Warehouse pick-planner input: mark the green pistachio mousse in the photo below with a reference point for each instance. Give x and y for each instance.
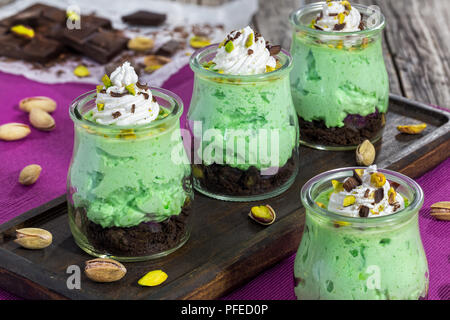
(340, 260)
(242, 100)
(339, 81)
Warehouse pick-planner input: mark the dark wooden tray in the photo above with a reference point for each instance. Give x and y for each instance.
(226, 248)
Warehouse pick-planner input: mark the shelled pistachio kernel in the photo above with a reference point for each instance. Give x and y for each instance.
(269, 69)
(99, 88)
(106, 81)
(208, 65)
(377, 179)
(229, 46)
(23, 31)
(348, 201)
(412, 128)
(250, 40)
(131, 89)
(33, 238)
(100, 106)
(359, 172)
(337, 185)
(140, 43)
(321, 205)
(347, 5)
(264, 214)
(81, 71)
(392, 194)
(198, 42)
(153, 278)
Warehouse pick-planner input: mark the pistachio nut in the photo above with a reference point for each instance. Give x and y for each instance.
(198, 42)
(41, 120)
(33, 238)
(104, 270)
(412, 128)
(441, 210)
(348, 201)
(81, 71)
(29, 174)
(140, 44)
(153, 278)
(154, 62)
(365, 153)
(14, 131)
(377, 179)
(44, 103)
(264, 214)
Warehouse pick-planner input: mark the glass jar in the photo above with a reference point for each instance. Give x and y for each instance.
(339, 81)
(129, 188)
(244, 131)
(355, 258)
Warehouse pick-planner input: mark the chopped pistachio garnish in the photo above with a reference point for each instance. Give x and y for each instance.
(99, 88)
(131, 89)
(229, 46)
(208, 65)
(100, 106)
(269, 69)
(249, 40)
(106, 81)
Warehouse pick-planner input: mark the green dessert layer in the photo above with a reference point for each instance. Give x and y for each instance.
(236, 112)
(123, 181)
(336, 261)
(329, 83)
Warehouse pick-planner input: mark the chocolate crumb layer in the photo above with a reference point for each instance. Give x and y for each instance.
(356, 130)
(226, 180)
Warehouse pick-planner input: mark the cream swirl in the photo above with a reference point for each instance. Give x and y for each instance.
(364, 195)
(244, 53)
(124, 101)
(338, 16)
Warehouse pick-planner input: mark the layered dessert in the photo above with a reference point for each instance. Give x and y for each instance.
(242, 118)
(376, 254)
(127, 196)
(339, 82)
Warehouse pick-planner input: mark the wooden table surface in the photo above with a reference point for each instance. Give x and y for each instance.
(416, 42)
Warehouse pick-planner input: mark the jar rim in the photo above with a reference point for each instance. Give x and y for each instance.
(308, 8)
(165, 94)
(310, 204)
(197, 67)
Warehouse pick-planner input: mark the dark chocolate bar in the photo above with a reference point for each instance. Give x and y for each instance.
(145, 18)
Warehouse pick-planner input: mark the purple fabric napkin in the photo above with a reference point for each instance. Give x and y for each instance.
(52, 150)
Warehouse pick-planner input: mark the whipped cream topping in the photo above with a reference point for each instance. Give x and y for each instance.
(338, 16)
(364, 195)
(244, 52)
(125, 102)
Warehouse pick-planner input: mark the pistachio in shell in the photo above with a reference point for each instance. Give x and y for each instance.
(441, 210)
(44, 103)
(104, 270)
(264, 214)
(41, 120)
(14, 131)
(365, 153)
(30, 174)
(33, 238)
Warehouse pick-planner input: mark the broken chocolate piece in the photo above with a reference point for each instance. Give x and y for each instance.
(133, 108)
(169, 48)
(338, 27)
(364, 212)
(250, 52)
(366, 193)
(145, 18)
(394, 185)
(379, 195)
(274, 50)
(350, 184)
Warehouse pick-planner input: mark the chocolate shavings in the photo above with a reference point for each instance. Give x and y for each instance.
(153, 99)
(116, 114)
(274, 50)
(117, 95)
(142, 86)
(250, 52)
(338, 27)
(379, 195)
(133, 108)
(145, 94)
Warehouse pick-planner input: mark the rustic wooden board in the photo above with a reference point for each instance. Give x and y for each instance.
(226, 248)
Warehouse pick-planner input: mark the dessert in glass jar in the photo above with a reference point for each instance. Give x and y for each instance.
(129, 192)
(242, 119)
(361, 239)
(339, 80)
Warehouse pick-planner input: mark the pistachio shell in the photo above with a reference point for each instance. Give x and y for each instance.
(140, 44)
(365, 153)
(44, 103)
(33, 238)
(264, 215)
(104, 270)
(30, 174)
(441, 210)
(41, 120)
(14, 131)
